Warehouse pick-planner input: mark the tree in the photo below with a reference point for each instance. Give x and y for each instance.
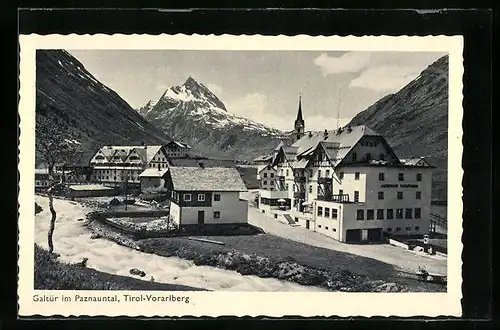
(55, 145)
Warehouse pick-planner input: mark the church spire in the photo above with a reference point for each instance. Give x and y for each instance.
(299, 122)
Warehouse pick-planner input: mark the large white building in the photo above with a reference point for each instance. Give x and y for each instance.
(117, 164)
(201, 196)
(350, 185)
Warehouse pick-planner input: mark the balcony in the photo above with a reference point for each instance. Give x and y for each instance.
(337, 198)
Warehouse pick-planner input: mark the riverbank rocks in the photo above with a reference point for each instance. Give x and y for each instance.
(135, 271)
(82, 263)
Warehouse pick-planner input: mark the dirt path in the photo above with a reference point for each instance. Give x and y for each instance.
(402, 259)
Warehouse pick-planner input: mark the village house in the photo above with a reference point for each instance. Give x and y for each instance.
(153, 180)
(114, 165)
(203, 196)
(177, 149)
(350, 185)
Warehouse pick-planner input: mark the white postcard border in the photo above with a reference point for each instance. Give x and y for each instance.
(243, 303)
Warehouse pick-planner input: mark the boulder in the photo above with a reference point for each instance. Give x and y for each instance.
(135, 271)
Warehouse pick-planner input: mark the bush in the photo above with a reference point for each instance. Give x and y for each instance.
(115, 202)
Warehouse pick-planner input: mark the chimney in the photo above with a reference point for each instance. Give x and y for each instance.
(339, 131)
(349, 129)
(201, 165)
(310, 134)
(325, 134)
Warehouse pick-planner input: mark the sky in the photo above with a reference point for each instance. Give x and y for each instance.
(263, 85)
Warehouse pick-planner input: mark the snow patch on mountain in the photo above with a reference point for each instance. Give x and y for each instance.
(195, 101)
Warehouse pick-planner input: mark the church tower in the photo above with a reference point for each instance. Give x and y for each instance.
(299, 122)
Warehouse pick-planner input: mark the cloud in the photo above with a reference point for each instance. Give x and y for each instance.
(348, 62)
(378, 71)
(386, 78)
(216, 89)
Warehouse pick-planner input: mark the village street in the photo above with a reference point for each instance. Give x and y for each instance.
(403, 259)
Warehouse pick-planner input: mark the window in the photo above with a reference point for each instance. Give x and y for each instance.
(286, 172)
(356, 176)
(417, 228)
(216, 214)
(354, 157)
(419, 176)
(326, 228)
(286, 186)
(380, 214)
(272, 175)
(389, 230)
(401, 176)
(399, 213)
(408, 228)
(334, 213)
(265, 175)
(418, 195)
(187, 197)
(327, 212)
(334, 229)
(265, 182)
(418, 213)
(381, 176)
(408, 213)
(272, 183)
(320, 211)
(360, 215)
(327, 173)
(398, 229)
(369, 214)
(382, 157)
(310, 189)
(341, 175)
(341, 192)
(400, 195)
(380, 195)
(319, 226)
(216, 197)
(319, 173)
(356, 196)
(368, 157)
(201, 197)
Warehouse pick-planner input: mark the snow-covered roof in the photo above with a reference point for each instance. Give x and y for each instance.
(206, 179)
(153, 173)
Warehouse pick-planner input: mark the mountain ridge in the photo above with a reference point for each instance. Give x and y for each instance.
(414, 121)
(92, 113)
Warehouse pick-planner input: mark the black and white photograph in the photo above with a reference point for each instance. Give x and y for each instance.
(161, 174)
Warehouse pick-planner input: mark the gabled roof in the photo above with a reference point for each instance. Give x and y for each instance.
(179, 144)
(415, 162)
(267, 167)
(146, 152)
(153, 173)
(335, 143)
(206, 179)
